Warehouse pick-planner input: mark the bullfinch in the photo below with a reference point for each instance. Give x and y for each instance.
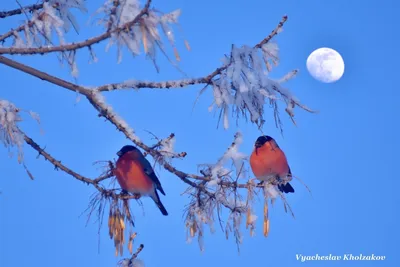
(268, 161)
(135, 175)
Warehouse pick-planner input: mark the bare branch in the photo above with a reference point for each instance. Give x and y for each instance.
(55, 162)
(44, 76)
(59, 166)
(18, 11)
(277, 29)
(135, 255)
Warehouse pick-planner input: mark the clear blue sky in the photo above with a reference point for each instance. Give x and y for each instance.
(346, 154)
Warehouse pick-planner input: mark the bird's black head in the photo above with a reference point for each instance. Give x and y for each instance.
(262, 140)
(126, 149)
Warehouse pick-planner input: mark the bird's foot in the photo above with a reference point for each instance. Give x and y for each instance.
(124, 192)
(136, 196)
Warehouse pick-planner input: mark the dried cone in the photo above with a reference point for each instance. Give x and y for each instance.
(116, 252)
(116, 229)
(130, 247)
(130, 243)
(178, 58)
(248, 215)
(266, 220)
(265, 209)
(193, 230)
(144, 37)
(111, 221)
(266, 227)
(187, 45)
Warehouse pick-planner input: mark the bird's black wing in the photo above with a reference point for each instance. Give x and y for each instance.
(154, 178)
(150, 172)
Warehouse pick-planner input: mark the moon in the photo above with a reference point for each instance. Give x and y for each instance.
(325, 65)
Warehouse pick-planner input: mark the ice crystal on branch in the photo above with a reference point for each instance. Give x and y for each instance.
(64, 7)
(217, 171)
(164, 149)
(55, 16)
(131, 30)
(219, 189)
(244, 84)
(10, 134)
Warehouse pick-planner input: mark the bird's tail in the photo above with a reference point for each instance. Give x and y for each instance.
(286, 188)
(157, 200)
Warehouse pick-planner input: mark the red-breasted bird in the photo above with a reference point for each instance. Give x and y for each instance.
(135, 175)
(268, 161)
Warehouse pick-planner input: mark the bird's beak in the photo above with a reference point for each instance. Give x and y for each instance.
(257, 145)
(119, 153)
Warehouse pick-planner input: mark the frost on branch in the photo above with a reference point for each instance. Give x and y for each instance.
(165, 149)
(216, 171)
(244, 84)
(47, 20)
(227, 188)
(218, 190)
(131, 31)
(98, 101)
(64, 7)
(10, 134)
(167, 146)
(54, 17)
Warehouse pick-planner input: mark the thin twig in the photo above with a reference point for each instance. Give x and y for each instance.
(18, 11)
(59, 166)
(135, 255)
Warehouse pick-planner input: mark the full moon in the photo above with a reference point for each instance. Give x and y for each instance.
(325, 65)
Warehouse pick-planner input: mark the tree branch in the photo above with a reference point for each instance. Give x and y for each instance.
(97, 101)
(75, 46)
(122, 126)
(44, 76)
(182, 83)
(11, 32)
(59, 166)
(136, 254)
(206, 197)
(18, 11)
(130, 261)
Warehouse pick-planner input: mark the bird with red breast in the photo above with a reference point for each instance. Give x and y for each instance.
(268, 163)
(135, 175)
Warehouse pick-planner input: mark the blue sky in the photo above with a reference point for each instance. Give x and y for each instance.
(346, 154)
